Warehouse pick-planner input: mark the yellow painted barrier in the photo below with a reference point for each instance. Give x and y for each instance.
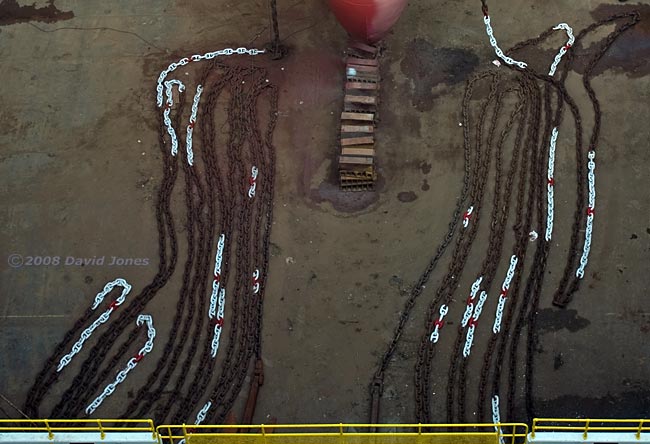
(503, 433)
(508, 433)
(587, 425)
(52, 426)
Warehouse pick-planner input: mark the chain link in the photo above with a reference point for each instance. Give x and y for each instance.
(133, 362)
(76, 348)
(190, 126)
(495, 45)
(550, 187)
(591, 177)
(196, 58)
(563, 50)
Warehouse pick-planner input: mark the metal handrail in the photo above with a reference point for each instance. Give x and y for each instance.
(77, 425)
(585, 426)
(170, 433)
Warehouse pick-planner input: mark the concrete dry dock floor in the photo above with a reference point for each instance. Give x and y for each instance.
(79, 167)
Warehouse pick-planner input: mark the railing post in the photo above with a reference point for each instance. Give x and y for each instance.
(101, 429)
(50, 435)
(638, 432)
(154, 435)
(419, 432)
(263, 433)
(184, 432)
(586, 433)
(532, 433)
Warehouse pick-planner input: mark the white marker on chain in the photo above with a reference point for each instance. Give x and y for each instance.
(133, 362)
(195, 58)
(467, 216)
(253, 182)
(217, 276)
(256, 281)
(550, 190)
(564, 49)
(496, 328)
(591, 176)
(218, 323)
(473, 322)
(495, 45)
(200, 417)
(438, 324)
(76, 348)
(167, 120)
(190, 126)
(496, 417)
(470, 301)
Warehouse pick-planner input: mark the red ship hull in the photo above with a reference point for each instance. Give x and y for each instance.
(367, 20)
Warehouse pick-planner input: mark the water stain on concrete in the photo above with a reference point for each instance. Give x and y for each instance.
(551, 319)
(11, 12)
(407, 196)
(428, 67)
(631, 51)
(343, 201)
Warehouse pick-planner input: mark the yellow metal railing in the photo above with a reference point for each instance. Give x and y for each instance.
(504, 433)
(637, 426)
(53, 426)
(508, 433)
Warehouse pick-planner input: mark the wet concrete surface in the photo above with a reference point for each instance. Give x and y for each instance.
(428, 66)
(80, 165)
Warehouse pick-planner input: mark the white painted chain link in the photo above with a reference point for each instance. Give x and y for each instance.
(196, 58)
(219, 301)
(496, 328)
(190, 127)
(435, 334)
(222, 303)
(217, 276)
(253, 182)
(475, 317)
(170, 102)
(479, 306)
(219, 323)
(550, 187)
(510, 273)
(591, 176)
(497, 50)
(467, 215)
(119, 282)
(200, 417)
(151, 333)
(498, 317)
(564, 49)
(76, 348)
(470, 301)
(468, 342)
(132, 363)
(256, 281)
(496, 417)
